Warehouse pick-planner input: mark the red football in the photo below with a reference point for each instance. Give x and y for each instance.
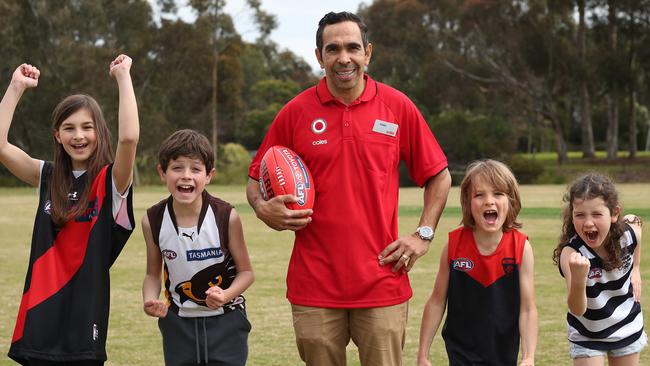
(282, 171)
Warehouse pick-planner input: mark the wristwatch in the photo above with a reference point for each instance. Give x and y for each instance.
(425, 232)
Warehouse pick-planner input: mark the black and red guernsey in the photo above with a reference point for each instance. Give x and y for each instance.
(63, 313)
(482, 324)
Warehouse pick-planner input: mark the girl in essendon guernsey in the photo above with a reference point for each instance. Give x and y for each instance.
(485, 279)
(598, 256)
(83, 220)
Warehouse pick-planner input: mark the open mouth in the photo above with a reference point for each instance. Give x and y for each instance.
(591, 235)
(185, 188)
(79, 146)
(490, 216)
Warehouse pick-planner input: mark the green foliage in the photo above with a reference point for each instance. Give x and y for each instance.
(526, 171)
(528, 61)
(269, 91)
(72, 43)
(256, 125)
(232, 167)
(266, 98)
(465, 137)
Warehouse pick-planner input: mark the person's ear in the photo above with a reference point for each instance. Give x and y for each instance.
(161, 172)
(57, 137)
(319, 57)
(368, 54)
(616, 212)
(210, 175)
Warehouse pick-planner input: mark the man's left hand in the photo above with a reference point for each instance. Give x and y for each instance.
(404, 251)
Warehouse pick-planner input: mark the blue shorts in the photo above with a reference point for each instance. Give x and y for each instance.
(576, 351)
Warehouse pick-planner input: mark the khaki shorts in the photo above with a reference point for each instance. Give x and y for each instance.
(322, 334)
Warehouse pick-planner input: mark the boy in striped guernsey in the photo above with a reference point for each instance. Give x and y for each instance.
(599, 256)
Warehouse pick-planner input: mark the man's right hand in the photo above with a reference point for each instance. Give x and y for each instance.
(277, 216)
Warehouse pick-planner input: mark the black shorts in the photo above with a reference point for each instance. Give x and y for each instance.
(33, 362)
(216, 340)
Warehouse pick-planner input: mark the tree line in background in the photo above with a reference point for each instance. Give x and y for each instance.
(520, 75)
(507, 76)
(176, 67)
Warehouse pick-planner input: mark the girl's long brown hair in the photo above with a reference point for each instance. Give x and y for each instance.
(60, 183)
(590, 186)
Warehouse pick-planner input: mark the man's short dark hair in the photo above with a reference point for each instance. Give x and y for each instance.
(188, 143)
(334, 18)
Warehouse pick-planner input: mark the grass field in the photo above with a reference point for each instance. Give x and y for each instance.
(134, 338)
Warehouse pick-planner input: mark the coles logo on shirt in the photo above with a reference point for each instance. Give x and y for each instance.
(318, 126)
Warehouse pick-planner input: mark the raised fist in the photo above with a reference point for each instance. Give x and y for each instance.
(579, 266)
(25, 76)
(121, 65)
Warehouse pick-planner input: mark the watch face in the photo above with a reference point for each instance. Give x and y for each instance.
(425, 232)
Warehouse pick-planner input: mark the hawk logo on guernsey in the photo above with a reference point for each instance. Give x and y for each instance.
(462, 264)
(47, 207)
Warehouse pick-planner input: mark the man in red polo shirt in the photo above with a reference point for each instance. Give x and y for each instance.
(347, 274)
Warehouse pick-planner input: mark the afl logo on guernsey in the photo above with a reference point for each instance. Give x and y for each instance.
(462, 264)
(318, 126)
(595, 273)
(47, 207)
(169, 254)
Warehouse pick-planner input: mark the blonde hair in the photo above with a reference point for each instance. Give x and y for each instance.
(500, 177)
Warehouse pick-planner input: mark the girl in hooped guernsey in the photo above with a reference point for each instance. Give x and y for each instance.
(598, 256)
(83, 220)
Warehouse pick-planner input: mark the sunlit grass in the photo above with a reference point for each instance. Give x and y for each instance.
(552, 156)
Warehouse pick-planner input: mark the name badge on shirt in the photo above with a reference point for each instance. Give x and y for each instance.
(385, 128)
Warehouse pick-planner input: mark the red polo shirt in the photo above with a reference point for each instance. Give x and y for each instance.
(353, 154)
